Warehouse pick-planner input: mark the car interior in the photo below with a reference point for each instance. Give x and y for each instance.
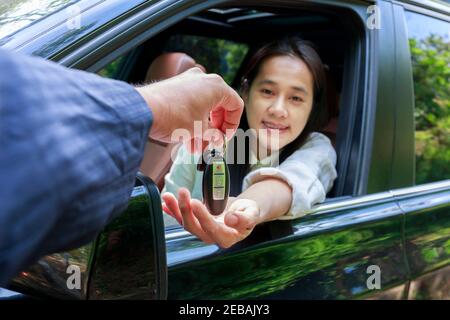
(220, 40)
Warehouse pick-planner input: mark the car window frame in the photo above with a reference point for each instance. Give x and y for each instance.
(356, 71)
(85, 57)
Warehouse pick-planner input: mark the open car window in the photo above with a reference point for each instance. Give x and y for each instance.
(227, 57)
(224, 50)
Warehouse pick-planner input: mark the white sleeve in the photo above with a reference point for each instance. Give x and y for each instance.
(182, 172)
(310, 172)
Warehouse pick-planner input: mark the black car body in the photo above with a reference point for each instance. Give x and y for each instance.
(379, 218)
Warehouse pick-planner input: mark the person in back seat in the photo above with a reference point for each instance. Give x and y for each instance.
(283, 88)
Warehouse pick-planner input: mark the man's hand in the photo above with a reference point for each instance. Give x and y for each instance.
(192, 96)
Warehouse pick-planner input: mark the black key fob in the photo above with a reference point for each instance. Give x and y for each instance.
(216, 182)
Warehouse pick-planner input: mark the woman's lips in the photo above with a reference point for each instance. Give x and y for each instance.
(271, 126)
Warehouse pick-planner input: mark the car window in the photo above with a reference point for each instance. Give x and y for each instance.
(442, 1)
(216, 55)
(18, 14)
(112, 68)
(429, 41)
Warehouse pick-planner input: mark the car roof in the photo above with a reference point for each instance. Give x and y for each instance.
(234, 16)
(441, 6)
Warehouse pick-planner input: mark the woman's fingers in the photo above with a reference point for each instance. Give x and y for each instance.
(206, 220)
(241, 220)
(196, 219)
(184, 198)
(243, 214)
(190, 221)
(167, 210)
(171, 206)
(170, 213)
(184, 202)
(218, 232)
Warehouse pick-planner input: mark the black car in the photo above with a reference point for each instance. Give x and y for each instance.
(388, 214)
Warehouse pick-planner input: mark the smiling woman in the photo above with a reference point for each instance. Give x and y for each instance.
(18, 14)
(283, 88)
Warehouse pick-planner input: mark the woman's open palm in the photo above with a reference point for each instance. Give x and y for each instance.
(233, 225)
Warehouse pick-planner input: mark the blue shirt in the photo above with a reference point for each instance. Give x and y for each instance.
(71, 144)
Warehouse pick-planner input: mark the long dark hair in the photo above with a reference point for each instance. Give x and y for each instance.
(295, 47)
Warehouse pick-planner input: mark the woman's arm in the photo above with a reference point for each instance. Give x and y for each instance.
(309, 172)
(252, 207)
(272, 196)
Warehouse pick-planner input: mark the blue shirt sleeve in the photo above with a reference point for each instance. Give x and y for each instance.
(71, 144)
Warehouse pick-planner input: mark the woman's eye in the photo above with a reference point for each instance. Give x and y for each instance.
(297, 99)
(267, 92)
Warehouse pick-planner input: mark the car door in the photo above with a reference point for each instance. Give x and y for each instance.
(427, 238)
(126, 261)
(346, 249)
(427, 204)
(349, 247)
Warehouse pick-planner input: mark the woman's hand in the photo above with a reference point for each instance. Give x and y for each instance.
(226, 229)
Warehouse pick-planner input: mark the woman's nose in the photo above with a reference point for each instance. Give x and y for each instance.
(277, 108)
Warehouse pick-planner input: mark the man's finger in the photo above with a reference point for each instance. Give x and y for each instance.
(227, 115)
(217, 116)
(195, 145)
(214, 137)
(233, 111)
(196, 69)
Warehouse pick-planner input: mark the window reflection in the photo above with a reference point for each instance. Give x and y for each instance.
(18, 14)
(429, 41)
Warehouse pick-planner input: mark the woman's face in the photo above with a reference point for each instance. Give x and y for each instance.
(279, 100)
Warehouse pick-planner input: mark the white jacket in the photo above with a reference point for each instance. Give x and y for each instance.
(309, 171)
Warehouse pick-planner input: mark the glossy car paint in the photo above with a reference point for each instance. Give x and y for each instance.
(324, 255)
(327, 256)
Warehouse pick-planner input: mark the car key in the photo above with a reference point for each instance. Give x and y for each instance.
(216, 180)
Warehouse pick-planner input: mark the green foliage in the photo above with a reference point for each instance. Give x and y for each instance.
(216, 55)
(431, 69)
(110, 71)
